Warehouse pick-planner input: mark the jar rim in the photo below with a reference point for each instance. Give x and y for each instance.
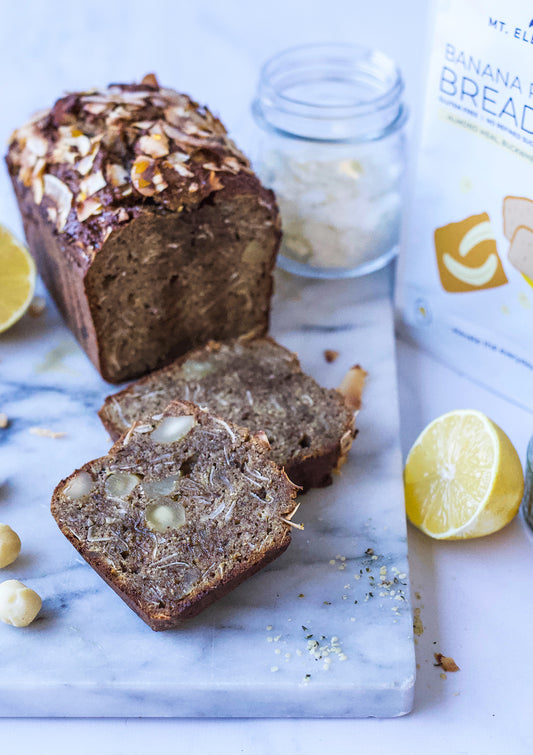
(349, 84)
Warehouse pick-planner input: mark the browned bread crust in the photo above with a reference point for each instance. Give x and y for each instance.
(255, 383)
(147, 224)
(227, 514)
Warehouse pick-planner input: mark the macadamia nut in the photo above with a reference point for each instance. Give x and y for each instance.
(18, 604)
(9, 545)
(172, 429)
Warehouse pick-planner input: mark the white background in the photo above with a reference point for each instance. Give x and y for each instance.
(476, 598)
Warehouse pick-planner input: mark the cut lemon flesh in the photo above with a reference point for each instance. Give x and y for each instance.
(17, 279)
(463, 477)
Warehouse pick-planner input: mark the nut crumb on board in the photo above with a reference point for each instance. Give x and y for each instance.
(330, 355)
(446, 662)
(37, 306)
(43, 432)
(4, 421)
(418, 627)
(352, 385)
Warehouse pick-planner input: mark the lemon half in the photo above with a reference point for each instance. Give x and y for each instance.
(17, 279)
(463, 477)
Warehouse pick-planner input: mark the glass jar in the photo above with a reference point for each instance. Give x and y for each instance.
(527, 501)
(332, 148)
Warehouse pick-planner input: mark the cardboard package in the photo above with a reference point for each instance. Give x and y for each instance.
(465, 277)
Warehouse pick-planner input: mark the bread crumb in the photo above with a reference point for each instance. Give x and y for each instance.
(43, 432)
(352, 385)
(330, 355)
(446, 662)
(4, 422)
(37, 306)
(418, 627)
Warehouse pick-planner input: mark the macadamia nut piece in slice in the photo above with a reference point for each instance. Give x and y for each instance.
(172, 429)
(120, 484)
(9, 545)
(166, 515)
(18, 604)
(155, 488)
(79, 486)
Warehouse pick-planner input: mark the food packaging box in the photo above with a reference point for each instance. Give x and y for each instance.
(465, 278)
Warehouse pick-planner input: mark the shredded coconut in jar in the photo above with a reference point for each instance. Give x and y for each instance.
(332, 147)
(337, 210)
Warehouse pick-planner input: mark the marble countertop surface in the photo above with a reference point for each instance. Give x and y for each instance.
(325, 630)
(474, 600)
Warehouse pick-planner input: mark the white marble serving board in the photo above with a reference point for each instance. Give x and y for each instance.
(253, 653)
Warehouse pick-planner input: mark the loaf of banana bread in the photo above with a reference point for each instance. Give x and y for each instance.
(148, 225)
(181, 511)
(255, 383)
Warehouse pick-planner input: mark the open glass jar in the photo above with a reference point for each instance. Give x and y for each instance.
(332, 147)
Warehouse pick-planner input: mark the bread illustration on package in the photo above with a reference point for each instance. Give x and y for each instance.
(518, 228)
(467, 255)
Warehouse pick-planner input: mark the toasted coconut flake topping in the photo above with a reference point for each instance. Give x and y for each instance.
(88, 140)
(37, 144)
(146, 177)
(116, 175)
(84, 166)
(61, 195)
(150, 80)
(352, 386)
(155, 145)
(92, 184)
(91, 206)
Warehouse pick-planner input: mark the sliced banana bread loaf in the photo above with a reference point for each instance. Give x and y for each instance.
(148, 225)
(181, 511)
(255, 383)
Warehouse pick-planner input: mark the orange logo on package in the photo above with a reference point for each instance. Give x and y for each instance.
(467, 255)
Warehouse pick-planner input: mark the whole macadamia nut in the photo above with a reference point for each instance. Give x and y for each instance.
(9, 545)
(18, 604)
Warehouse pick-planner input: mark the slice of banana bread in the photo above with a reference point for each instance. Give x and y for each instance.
(255, 383)
(182, 510)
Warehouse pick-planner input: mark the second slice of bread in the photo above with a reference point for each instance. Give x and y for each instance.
(257, 384)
